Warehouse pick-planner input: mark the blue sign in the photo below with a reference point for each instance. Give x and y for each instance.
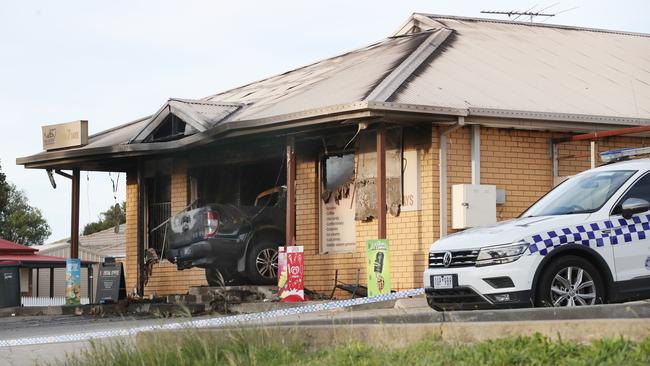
(72, 281)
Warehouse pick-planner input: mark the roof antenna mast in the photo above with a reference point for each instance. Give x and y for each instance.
(517, 14)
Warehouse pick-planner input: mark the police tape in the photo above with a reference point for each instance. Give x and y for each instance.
(215, 322)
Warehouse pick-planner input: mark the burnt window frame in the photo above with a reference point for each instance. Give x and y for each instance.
(321, 176)
(156, 240)
(178, 128)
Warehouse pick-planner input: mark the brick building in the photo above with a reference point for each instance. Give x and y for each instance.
(458, 101)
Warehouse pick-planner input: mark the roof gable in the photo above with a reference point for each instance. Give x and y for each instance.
(199, 115)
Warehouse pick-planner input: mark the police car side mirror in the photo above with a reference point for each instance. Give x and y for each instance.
(633, 206)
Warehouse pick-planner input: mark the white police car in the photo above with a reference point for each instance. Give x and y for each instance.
(585, 242)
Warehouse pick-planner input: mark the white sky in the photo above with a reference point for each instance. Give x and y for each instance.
(113, 62)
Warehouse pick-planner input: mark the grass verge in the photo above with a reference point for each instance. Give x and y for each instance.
(203, 349)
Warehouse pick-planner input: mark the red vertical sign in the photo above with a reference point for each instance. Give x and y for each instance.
(292, 274)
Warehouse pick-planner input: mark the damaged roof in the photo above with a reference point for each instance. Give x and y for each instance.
(433, 64)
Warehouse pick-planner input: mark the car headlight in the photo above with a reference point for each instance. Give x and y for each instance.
(501, 254)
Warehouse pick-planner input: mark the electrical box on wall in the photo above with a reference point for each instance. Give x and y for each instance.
(473, 205)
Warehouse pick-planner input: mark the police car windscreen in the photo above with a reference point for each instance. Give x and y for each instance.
(584, 193)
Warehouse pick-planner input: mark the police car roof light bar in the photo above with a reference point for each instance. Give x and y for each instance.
(613, 156)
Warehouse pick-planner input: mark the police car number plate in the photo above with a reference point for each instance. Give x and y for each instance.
(443, 282)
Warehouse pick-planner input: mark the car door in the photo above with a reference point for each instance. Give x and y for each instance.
(631, 247)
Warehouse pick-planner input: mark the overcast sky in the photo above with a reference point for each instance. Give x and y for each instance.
(115, 61)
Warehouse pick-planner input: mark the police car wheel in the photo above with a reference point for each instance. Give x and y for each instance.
(570, 281)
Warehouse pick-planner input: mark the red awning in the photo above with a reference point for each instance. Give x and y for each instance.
(22, 255)
(35, 260)
(8, 247)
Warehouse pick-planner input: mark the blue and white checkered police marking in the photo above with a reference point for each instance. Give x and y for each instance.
(209, 323)
(594, 235)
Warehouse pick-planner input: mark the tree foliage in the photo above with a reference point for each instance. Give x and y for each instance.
(20, 222)
(107, 219)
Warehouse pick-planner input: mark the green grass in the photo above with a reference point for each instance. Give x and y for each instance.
(203, 349)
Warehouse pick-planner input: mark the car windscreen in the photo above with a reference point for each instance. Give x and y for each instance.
(584, 193)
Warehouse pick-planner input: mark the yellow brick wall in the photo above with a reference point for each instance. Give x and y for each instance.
(165, 279)
(410, 234)
(131, 274)
(575, 156)
(518, 161)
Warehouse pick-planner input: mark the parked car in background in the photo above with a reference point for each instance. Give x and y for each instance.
(235, 244)
(585, 242)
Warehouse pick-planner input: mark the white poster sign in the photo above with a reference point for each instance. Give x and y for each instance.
(411, 194)
(337, 225)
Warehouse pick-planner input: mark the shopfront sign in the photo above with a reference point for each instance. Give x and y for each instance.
(110, 282)
(378, 267)
(72, 281)
(64, 135)
(411, 193)
(291, 273)
(338, 233)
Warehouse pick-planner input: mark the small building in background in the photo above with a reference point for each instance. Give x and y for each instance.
(24, 262)
(94, 247)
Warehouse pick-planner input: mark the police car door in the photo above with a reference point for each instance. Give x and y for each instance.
(632, 247)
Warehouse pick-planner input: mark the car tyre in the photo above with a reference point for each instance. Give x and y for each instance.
(262, 263)
(570, 281)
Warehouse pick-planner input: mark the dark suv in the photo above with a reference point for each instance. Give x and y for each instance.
(240, 243)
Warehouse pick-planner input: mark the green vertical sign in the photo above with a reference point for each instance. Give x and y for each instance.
(378, 266)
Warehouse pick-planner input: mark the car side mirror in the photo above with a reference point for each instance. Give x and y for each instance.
(633, 206)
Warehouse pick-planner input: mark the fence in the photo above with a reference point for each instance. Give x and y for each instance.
(48, 301)
(158, 214)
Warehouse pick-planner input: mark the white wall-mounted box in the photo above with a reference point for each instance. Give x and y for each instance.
(473, 205)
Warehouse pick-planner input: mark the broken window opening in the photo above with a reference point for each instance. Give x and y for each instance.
(337, 226)
(159, 206)
(172, 128)
(234, 184)
(337, 176)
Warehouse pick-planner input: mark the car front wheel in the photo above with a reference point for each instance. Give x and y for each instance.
(570, 281)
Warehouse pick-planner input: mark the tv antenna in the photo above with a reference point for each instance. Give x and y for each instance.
(531, 14)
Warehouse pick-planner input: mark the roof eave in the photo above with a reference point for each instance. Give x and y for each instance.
(311, 118)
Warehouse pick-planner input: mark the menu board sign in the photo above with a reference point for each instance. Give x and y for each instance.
(337, 225)
(110, 283)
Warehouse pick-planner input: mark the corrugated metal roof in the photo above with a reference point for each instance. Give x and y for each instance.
(485, 67)
(105, 243)
(519, 66)
(339, 80)
(7, 247)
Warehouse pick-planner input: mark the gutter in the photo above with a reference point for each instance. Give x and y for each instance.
(313, 117)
